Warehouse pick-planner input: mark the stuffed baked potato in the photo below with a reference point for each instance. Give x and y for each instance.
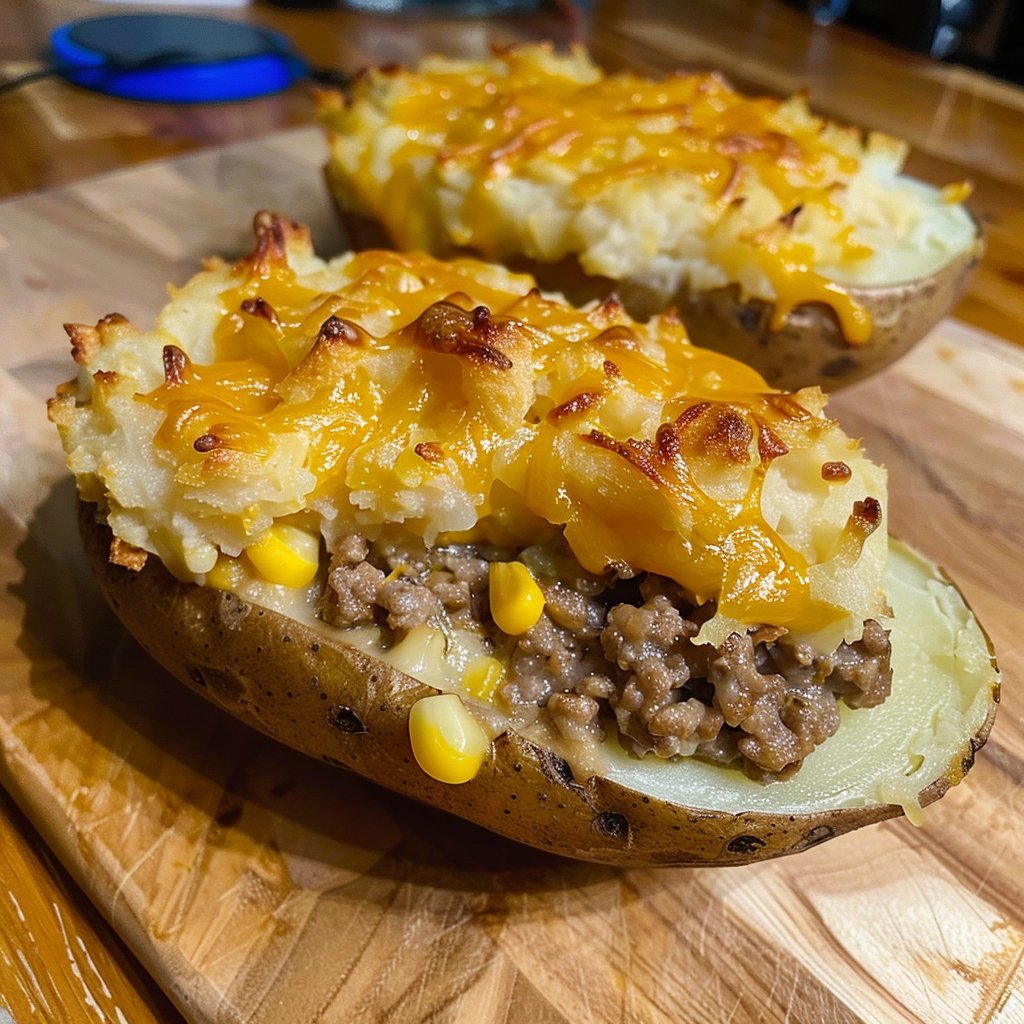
(782, 239)
(565, 575)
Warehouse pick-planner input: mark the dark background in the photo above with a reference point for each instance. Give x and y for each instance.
(986, 34)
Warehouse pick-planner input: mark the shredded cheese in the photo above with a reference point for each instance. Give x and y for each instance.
(455, 402)
(661, 183)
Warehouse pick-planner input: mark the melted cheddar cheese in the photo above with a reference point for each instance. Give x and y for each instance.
(387, 392)
(664, 183)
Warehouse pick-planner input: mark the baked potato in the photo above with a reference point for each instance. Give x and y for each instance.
(781, 239)
(560, 573)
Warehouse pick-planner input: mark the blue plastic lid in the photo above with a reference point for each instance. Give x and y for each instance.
(172, 58)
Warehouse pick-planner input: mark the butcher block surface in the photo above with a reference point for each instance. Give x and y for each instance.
(258, 885)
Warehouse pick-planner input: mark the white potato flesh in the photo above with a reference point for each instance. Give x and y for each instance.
(943, 677)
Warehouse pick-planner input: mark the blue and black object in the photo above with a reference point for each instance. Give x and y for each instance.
(172, 58)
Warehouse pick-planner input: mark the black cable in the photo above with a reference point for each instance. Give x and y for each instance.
(109, 65)
(332, 77)
(31, 76)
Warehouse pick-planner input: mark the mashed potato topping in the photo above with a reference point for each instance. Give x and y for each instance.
(452, 401)
(665, 183)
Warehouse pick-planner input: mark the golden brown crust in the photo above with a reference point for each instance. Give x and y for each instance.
(126, 555)
(274, 233)
(336, 703)
(380, 352)
(85, 340)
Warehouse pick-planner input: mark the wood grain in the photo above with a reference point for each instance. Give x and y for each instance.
(97, 978)
(258, 885)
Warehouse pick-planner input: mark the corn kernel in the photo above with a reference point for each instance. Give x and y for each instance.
(287, 555)
(420, 653)
(516, 600)
(227, 574)
(447, 741)
(481, 677)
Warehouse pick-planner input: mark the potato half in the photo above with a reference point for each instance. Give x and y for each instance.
(783, 239)
(308, 689)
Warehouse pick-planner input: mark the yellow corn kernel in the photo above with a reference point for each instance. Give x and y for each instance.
(200, 556)
(516, 600)
(447, 741)
(287, 555)
(481, 677)
(227, 574)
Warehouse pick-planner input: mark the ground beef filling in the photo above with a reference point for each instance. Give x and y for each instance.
(613, 650)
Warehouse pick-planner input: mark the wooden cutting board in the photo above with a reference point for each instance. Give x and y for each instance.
(258, 885)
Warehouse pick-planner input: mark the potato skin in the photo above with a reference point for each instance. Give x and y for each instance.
(809, 349)
(324, 698)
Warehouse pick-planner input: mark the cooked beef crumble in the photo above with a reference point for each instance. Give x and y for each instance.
(607, 648)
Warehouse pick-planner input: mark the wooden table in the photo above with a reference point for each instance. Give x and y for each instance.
(60, 959)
